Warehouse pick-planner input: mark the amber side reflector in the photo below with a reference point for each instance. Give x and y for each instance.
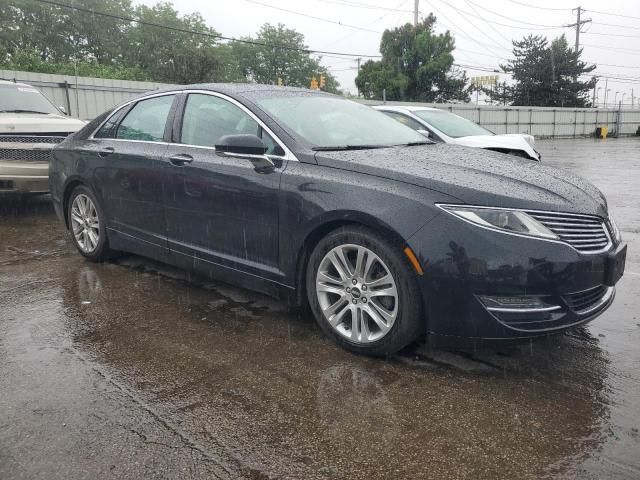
(414, 261)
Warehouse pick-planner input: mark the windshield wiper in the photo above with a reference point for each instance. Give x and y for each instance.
(413, 144)
(19, 110)
(347, 147)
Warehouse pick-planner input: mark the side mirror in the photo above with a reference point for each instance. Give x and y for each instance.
(63, 110)
(425, 133)
(243, 144)
(246, 146)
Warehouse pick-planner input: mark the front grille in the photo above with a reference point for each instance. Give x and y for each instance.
(28, 148)
(24, 155)
(34, 138)
(582, 301)
(585, 233)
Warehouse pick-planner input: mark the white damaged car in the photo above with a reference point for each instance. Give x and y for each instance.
(30, 126)
(442, 126)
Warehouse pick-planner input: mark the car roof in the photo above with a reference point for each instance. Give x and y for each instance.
(249, 90)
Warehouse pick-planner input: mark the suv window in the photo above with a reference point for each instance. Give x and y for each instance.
(146, 120)
(207, 118)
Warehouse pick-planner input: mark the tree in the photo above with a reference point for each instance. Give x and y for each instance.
(416, 64)
(170, 55)
(548, 75)
(59, 34)
(278, 53)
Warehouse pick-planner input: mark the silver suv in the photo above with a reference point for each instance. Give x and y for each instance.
(30, 126)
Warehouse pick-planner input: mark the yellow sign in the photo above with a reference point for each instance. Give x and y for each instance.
(484, 81)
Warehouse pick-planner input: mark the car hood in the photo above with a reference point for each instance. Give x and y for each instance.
(17, 123)
(476, 177)
(509, 141)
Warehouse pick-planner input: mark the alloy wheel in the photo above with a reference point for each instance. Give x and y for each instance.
(357, 293)
(85, 223)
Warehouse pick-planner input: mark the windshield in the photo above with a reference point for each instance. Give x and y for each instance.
(450, 124)
(328, 122)
(18, 98)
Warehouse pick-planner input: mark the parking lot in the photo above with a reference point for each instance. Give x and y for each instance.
(129, 369)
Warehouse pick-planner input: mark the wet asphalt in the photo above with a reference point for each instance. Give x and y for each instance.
(130, 369)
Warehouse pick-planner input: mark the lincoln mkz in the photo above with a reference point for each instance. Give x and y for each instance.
(325, 202)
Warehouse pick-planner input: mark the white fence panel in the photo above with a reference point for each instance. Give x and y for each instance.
(86, 98)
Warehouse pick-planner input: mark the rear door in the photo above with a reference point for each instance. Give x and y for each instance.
(221, 212)
(132, 180)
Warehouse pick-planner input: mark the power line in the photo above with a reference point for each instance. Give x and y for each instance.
(341, 39)
(346, 3)
(538, 7)
(515, 20)
(476, 27)
(613, 14)
(320, 19)
(618, 49)
(611, 34)
(202, 34)
(461, 31)
(488, 23)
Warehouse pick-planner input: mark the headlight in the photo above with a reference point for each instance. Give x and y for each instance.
(513, 221)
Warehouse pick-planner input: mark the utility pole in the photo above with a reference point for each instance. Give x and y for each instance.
(606, 91)
(632, 98)
(358, 60)
(594, 92)
(416, 4)
(578, 26)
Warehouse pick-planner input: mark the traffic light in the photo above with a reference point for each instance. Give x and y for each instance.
(314, 84)
(323, 82)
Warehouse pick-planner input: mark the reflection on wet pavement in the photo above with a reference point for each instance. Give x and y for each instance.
(130, 369)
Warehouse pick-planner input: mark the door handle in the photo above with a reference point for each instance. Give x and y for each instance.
(181, 159)
(106, 151)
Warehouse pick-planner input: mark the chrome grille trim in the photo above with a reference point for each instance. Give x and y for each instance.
(52, 139)
(585, 233)
(588, 301)
(27, 148)
(24, 155)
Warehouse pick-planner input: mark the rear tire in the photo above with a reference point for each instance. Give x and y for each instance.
(86, 221)
(363, 292)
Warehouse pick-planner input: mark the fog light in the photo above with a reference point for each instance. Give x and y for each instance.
(517, 304)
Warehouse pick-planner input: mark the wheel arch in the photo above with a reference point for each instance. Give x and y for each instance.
(66, 195)
(323, 227)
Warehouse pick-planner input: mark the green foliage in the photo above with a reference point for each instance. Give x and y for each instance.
(417, 64)
(548, 75)
(173, 56)
(32, 62)
(45, 38)
(280, 58)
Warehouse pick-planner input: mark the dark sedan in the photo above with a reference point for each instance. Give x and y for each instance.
(320, 200)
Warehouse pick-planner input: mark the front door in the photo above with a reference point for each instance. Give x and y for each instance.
(221, 212)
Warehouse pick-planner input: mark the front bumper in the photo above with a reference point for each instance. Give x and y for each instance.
(24, 177)
(464, 265)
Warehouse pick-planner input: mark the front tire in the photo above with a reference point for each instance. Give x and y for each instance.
(363, 292)
(87, 224)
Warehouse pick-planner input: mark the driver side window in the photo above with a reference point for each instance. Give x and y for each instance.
(207, 118)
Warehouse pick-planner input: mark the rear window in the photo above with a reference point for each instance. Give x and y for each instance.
(147, 120)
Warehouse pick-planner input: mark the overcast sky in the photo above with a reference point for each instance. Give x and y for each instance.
(478, 41)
